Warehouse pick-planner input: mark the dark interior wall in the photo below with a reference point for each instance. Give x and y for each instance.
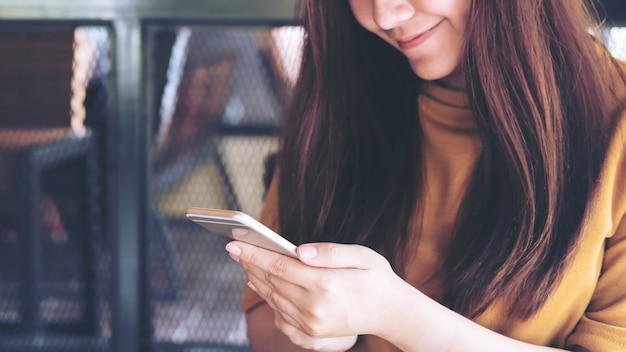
(36, 75)
(613, 10)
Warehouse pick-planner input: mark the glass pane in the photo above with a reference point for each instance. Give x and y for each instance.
(616, 41)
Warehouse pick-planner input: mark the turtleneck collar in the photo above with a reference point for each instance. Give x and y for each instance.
(446, 107)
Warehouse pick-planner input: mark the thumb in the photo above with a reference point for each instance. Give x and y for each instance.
(334, 255)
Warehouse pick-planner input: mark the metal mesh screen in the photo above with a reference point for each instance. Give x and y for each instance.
(52, 266)
(220, 92)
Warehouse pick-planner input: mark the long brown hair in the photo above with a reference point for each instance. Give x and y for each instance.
(350, 166)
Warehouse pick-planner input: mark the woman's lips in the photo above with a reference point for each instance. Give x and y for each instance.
(412, 42)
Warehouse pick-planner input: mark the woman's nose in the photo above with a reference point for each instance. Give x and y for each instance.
(389, 13)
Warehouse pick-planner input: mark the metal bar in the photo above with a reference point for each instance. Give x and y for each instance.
(92, 252)
(44, 343)
(233, 199)
(30, 194)
(267, 10)
(126, 198)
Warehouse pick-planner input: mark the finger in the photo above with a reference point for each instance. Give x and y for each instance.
(297, 335)
(334, 255)
(281, 296)
(286, 323)
(279, 293)
(304, 340)
(271, 264)
(286, 314)
(299, 338)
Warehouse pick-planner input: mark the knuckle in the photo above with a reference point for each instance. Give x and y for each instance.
(313, 325)
(384, 263)
(298, 337)
(279, 322)
(313, 329)
(271, 298)
(301, 341)
(269, 279)
(247, 259)
(326, 287)
(335, 252)
(277, 267)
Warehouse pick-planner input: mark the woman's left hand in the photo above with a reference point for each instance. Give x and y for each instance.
(334, 290)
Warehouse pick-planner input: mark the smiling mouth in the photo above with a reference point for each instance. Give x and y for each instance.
(412, 42)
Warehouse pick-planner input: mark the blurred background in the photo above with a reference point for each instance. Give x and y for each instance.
(115, 117)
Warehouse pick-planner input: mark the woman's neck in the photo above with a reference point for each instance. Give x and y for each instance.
(455, 81)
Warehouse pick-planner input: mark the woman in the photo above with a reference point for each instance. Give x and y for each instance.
(470, 157)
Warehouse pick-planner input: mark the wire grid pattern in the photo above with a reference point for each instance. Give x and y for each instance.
(221, 91)
(52, 254)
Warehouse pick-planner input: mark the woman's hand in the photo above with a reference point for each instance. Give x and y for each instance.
(336, 292)
(333, 291)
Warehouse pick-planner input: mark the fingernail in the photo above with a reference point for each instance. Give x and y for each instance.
(233, 249)
(239, 232)
(308, 252)
(252, 287)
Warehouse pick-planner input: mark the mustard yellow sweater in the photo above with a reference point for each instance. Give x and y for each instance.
(589, 306)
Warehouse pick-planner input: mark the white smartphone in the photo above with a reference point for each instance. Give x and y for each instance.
(221, 222)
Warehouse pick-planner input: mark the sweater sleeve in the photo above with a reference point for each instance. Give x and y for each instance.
(603, 327)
